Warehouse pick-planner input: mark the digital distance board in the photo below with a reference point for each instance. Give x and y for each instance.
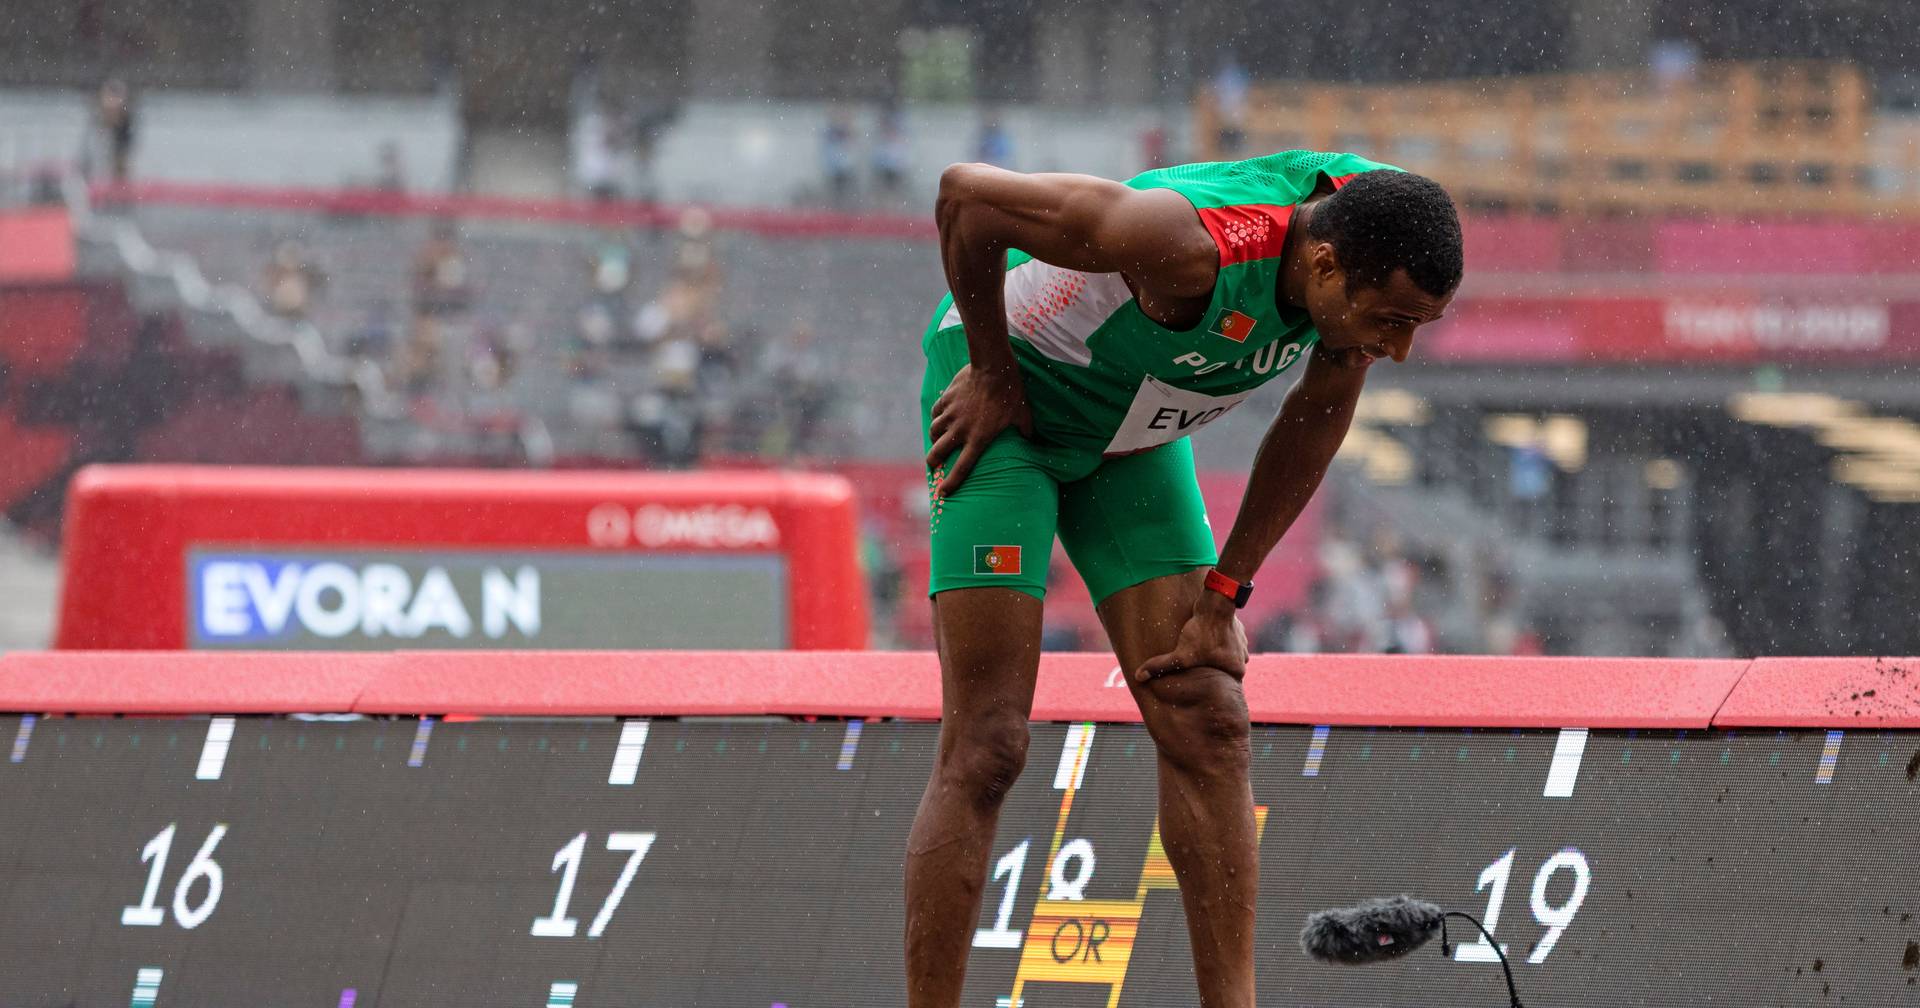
(358, 862)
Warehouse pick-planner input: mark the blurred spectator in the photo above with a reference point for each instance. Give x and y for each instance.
(1273, 634)
(114, 118)
(490, 358)
(718, 372)
(995, 144)
(292, 280)
(1359, 603)
(1306, 633)
(417, 368)
(1356, 610)
(695, 260)
(650, 125)
(1504, 632)
(440, 285)
(666, 427)
(612, 267)
(598, 325)
(392, 174)
(885, 579)
(676, 363)
(691, 297)
(793, 366)
(1529, 481)
(373, 339)
(717, 387)
(836, 157)
(596, 167)
(1407, 631)
(891, 153)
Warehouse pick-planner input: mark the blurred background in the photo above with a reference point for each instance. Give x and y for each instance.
(1670, 413)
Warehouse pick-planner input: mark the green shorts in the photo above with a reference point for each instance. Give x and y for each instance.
(1123, 520)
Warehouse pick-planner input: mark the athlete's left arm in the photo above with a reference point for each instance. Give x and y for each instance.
(1293, 457)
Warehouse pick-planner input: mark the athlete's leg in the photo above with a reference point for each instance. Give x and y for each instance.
(1137, 530)
(1198, 720)
(989, 641)
(990, 544)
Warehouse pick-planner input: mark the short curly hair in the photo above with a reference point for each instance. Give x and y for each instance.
(1382, 221)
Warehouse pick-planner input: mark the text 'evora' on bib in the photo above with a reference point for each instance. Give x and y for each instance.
(1161, 414)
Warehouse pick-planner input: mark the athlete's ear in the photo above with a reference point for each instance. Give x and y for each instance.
(1324, 263)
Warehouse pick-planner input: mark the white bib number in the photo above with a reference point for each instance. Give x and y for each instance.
(1161, 414)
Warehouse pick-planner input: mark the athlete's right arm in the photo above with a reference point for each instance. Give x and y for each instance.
(1078, 222)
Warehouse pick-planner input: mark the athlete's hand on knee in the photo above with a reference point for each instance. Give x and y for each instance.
(1208, 640)
(968, 416)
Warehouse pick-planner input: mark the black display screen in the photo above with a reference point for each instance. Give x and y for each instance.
(350, 864)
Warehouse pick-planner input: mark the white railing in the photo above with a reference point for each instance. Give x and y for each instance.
(234, 302)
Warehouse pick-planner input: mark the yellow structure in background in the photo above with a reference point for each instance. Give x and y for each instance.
(1731, 138)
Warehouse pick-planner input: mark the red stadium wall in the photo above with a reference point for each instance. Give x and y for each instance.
(36, 245)
(1365, 690)
(129, 530)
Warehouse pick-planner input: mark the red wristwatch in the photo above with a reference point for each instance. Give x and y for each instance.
(1232, 589)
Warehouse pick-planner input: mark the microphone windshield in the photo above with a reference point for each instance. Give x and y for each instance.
(1374, 931)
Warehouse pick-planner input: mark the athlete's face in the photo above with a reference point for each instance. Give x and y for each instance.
(1367, 323)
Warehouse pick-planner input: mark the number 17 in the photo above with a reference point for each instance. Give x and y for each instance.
(567, 861)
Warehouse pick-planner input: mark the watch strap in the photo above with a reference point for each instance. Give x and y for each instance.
(1232, 589)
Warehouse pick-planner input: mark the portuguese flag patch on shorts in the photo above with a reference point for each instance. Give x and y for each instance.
(996, 559)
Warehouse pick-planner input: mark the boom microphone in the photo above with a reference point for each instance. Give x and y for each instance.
(1374, 931)
(1383, 929)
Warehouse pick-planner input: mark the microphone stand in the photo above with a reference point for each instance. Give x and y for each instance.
(1446, 949)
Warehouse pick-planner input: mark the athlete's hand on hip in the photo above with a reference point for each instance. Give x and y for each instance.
(1209, 639)
(968, 416)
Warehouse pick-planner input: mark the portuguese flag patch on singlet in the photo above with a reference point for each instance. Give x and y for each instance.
(1234, 326)
(996, 559)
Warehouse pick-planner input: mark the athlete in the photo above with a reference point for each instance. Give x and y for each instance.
(1091, 326)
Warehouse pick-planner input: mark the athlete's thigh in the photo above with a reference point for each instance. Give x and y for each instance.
(989, 643)
(996, 530)
(990, 542)
(1136, 518)
(1144, 621)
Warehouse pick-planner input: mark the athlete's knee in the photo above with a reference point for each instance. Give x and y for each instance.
(983, 759)
(1198, 719)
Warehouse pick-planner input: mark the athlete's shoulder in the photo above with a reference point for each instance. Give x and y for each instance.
(1284, 177)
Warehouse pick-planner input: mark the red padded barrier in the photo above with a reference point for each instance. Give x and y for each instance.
(661, 683)
(1380, 690)
(1825, 693)
(1479, 692)
(184, 682)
